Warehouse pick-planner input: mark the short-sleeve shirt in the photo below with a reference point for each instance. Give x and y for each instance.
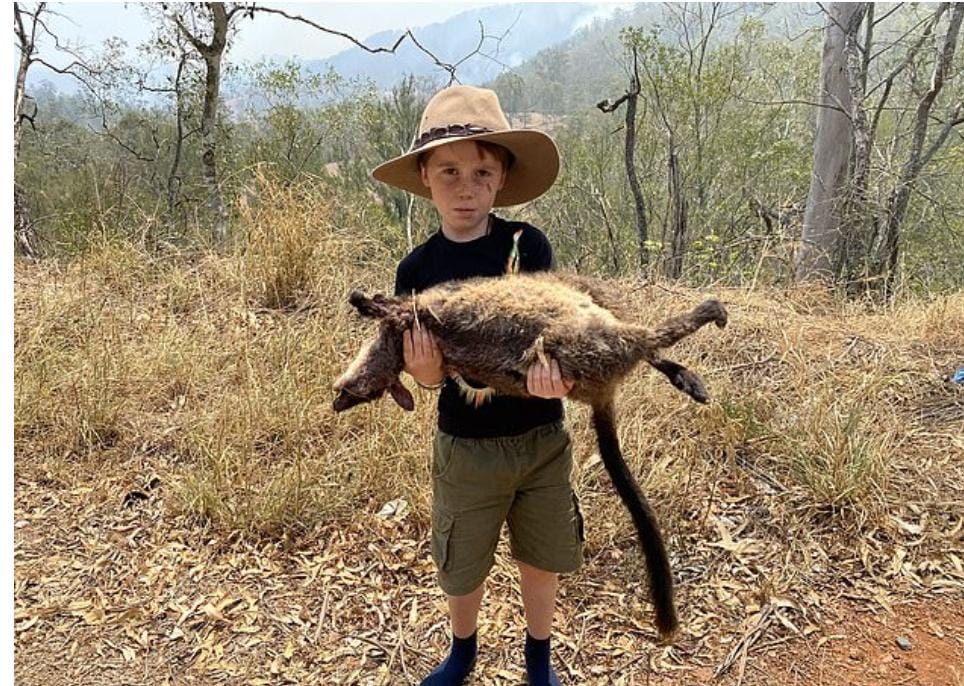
(439, 259)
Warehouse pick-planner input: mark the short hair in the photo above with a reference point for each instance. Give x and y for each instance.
(501, 153)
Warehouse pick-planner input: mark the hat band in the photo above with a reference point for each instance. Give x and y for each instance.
(450, 131)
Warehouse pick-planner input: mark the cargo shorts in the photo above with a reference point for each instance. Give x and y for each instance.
(478, 484)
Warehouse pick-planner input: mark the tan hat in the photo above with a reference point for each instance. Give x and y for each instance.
(460, 113)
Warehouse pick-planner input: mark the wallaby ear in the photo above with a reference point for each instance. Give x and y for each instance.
(375, 307)
(402, 396)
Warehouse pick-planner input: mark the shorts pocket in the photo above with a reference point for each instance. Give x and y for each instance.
(580, 524)
(442, 525)
(443, 454)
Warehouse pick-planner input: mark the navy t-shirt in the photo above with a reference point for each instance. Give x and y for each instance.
(439, 259)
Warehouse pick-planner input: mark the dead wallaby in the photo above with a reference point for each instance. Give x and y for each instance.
(491, 330)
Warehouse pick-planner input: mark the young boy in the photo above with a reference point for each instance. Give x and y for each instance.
(496, 459)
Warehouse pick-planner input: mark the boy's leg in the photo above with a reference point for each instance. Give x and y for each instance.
(471, 496)
(538, 598)
(546, 535)
(464, 612)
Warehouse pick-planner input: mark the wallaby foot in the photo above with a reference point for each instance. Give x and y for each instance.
(685, 380)
(712, 311)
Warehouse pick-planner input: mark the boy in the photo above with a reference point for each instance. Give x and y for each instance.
(496, 459)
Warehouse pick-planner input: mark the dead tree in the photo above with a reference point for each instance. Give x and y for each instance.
(868, 236)
(210, 41)
(630, 97)
(677, 216)
(918, 157)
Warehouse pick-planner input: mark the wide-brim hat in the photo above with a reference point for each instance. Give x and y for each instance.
(467, 113)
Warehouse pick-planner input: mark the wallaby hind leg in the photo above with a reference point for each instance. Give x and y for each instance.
(677, 328)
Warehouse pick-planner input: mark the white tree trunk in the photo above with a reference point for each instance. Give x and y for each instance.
(831, 150)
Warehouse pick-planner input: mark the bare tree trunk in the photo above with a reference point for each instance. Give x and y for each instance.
(821, 222)
(856, 219)
(209, 145)
(25, 239)
(173, 176)
(209, 113)
(677, 198)
(642, 230)
(19, 93)
(900, 196)
(211, 53)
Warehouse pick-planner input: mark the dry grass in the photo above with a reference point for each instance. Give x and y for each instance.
(832, 450)
(224, 363)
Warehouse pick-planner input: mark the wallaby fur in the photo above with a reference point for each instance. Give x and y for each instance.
(491, 330)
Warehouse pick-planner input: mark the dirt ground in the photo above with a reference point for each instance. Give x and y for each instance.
(110, 590)
(859, 647)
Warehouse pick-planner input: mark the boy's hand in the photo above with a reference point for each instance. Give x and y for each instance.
(545, 381)
(423, 359)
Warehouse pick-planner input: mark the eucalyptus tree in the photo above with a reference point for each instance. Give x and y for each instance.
(890, 100)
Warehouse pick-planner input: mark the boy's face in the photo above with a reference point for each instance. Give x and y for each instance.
(463, 179)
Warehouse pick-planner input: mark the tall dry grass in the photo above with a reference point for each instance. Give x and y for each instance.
(221, 363)
(828, 417)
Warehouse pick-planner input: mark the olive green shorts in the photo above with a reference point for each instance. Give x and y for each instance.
(480, 483)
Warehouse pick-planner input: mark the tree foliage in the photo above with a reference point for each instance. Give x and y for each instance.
(725, 124)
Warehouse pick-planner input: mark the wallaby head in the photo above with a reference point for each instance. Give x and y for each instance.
(377, 365)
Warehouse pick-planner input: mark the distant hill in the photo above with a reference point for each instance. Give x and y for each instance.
(579, 71)
(513, 34)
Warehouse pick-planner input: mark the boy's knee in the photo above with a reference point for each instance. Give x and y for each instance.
(535, 574)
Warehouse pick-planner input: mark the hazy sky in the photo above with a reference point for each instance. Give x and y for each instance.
(91, 23)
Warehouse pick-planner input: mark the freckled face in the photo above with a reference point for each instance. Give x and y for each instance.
(464, 180)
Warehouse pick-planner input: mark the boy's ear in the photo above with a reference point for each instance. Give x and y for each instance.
(375, 307)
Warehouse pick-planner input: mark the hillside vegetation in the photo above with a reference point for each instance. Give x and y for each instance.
(725, 128)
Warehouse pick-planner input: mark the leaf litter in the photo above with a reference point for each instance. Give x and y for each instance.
(115, 590)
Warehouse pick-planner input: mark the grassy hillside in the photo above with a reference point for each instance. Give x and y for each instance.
(180, 475)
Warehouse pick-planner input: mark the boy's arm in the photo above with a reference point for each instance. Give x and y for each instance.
(423, 359)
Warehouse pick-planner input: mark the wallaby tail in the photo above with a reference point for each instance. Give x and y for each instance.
(647, 528)
(675, 329)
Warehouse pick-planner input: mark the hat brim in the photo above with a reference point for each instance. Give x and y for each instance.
(533, 172)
